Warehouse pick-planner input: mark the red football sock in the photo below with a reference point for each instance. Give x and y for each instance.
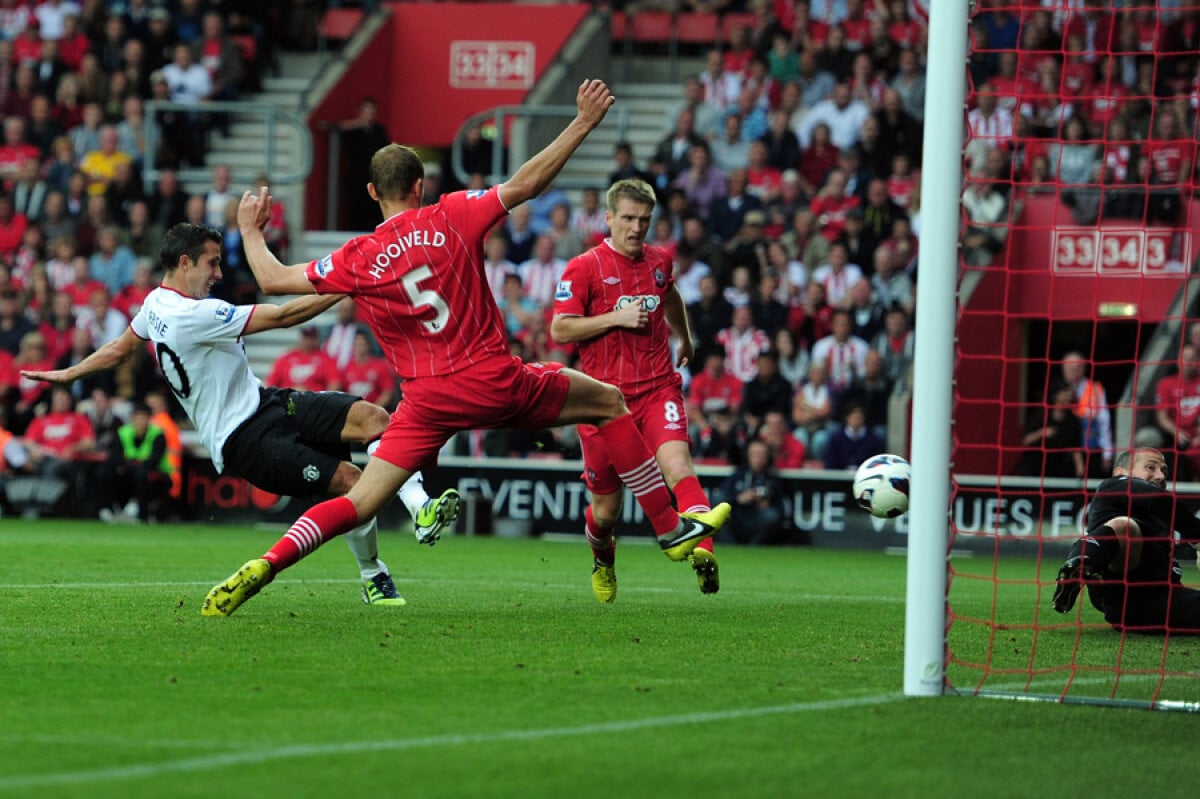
(322, 522)
(692, 499)
(636, 467)
(690, 495)
(604, 546)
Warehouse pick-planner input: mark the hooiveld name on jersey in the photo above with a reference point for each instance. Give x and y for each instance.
(394, 249)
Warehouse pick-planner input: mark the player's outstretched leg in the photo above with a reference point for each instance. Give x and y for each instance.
(321, 522)
(436, 515)
(247, 581)
(604, 556)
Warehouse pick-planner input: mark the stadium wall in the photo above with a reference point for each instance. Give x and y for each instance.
(433, 65)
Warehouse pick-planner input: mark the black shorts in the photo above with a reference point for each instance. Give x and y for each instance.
(292, 445)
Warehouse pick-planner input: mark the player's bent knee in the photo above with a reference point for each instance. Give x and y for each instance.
(365, 422)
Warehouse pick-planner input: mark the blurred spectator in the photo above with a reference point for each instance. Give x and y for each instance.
(160, 39)
(160, 415)
(879, 215)
(338, 339)
(727, 214)
(793, 358)
(131, 129)
(138, 470)
(687, 272)
(673, 151)
(841, 353)
(237, 285)
(541, 273)
(786, 450)
(783, 147)
(51, 16)
(14, 325)
(759, 503)
(368, 376)
(496, 266)
(29, 191)
(986, 230)
(840, 113)
(802, 241)
(589, 221)
(866, 314)
(220, 56)
(112, 262)
(168, 201)
(307, 367)
(767, 392)
(124, 190)
(188, 20)
(14, 458)
(742, 343)
(42, 128)
(702, 182)
(58, 442)
(85, 134)
(837, 275)
(711, 314)
(763, 180)
(361, 136)
(730, 150)
(815, 84)
(1076, 157)
(519, 235)
(130, 298)
(15, 151)
(1053, 438)
(1091, 406)
(851, 442)
(218, 195)
(100, 166)
(769, 313)
(891, 284)
(721, 437)
(1177, 398)
(567, 243)
(518, 308)
(740, 287)
(712, 388)
(49, 68)
(624, 165)
(82, 285)
(12, 228)
(895, 344)
(15, 16)
(831, 205)
(101, 320)
(719, 86)
(189, 83)
(873, 391)
(706, 117)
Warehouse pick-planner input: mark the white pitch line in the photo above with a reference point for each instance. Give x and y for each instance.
(259, 756)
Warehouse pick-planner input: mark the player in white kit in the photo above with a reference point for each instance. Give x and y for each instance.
(288, 442)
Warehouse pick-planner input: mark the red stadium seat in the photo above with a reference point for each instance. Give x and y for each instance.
(651, 27)
(701, 29)
(618, 26)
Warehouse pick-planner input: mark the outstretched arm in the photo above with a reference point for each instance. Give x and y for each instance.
(273, 277)
(111, 355)
(593, 101)
(293, 312)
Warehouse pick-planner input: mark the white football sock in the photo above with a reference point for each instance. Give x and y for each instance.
(363, 542)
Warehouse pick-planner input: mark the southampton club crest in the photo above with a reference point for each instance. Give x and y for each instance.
(660, 279)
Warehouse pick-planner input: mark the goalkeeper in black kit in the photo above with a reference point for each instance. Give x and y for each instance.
(1127, 558)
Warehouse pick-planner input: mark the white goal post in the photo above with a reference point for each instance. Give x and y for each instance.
(933, 355)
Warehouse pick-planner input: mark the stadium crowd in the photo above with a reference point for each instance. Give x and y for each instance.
(788, 177)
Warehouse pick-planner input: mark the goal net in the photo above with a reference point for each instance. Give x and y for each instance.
(1076, 334)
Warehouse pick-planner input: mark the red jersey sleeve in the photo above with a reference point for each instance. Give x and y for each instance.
(571, 296)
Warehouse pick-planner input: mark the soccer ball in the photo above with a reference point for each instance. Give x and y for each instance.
(881, 485)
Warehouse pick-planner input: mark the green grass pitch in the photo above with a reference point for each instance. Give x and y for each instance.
(503, 677)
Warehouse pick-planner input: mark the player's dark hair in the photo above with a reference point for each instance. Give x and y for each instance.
(186, 239)
(395, 170)
(638, 191)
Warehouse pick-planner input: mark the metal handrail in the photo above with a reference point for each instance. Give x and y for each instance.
(519, 147)
(281, 174)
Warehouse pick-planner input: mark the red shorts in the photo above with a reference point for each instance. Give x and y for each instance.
(500, 392)
(660, 415)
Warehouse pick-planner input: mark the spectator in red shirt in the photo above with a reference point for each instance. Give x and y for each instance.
(15, 151)
(1178, 399)
(59, 442)
(786, 450)
(711, 389)
(12, 228)
(831, 205)
(307, 367)
(817, 160)
(368, 376)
